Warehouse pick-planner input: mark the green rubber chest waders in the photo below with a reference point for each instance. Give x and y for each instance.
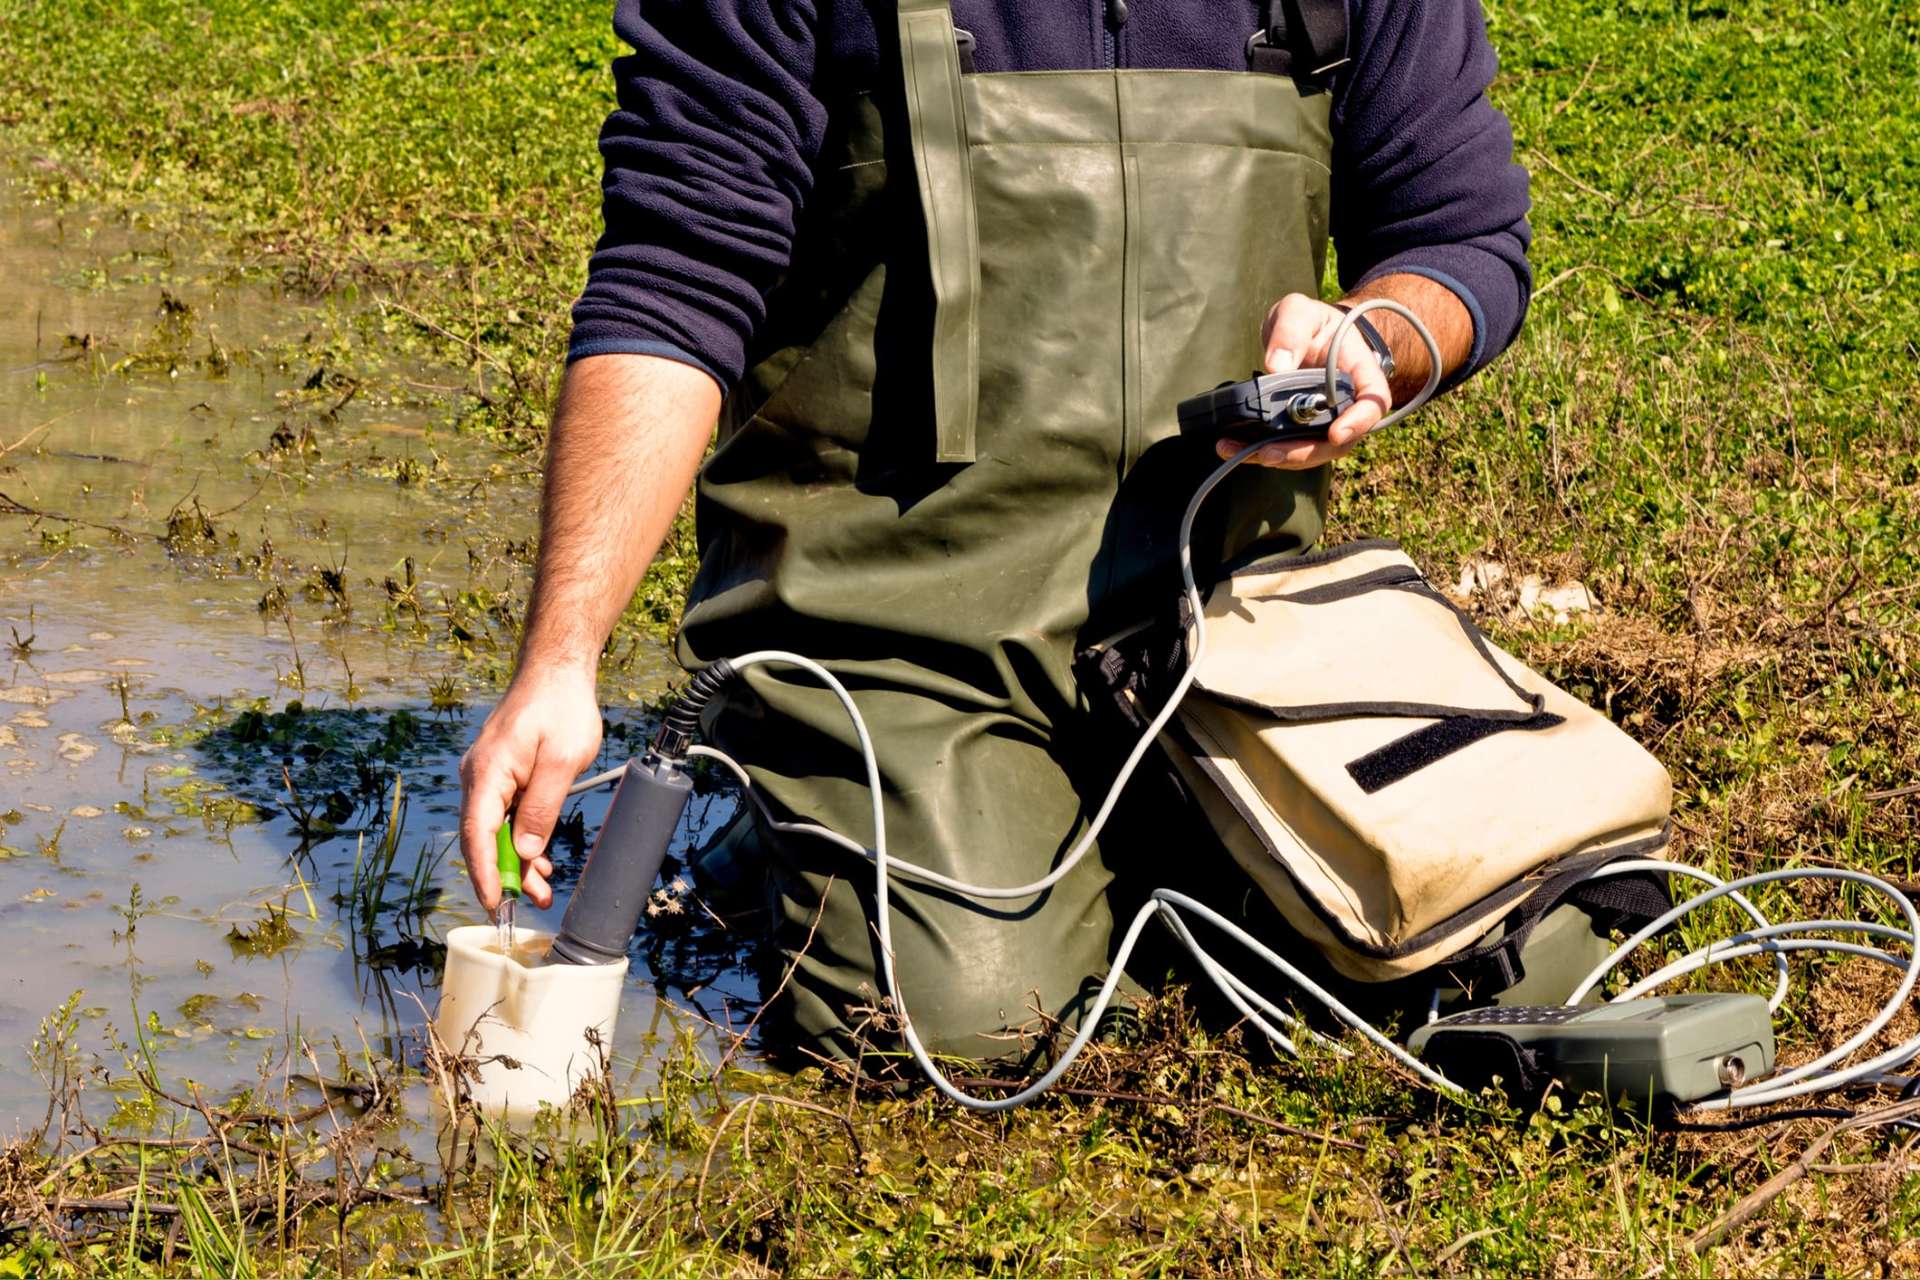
(955, 462)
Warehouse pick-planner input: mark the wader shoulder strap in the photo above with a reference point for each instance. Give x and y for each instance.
(1304, 39)
(937, 132)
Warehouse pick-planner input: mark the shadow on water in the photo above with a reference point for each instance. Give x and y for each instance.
(330, 769)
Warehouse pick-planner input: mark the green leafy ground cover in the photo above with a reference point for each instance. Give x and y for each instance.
(1709, 423)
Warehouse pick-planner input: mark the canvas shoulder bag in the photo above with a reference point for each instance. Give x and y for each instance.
(1397, 785)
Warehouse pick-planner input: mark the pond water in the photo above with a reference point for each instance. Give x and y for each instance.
(243, 602)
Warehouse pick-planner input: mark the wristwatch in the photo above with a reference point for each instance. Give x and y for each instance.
(1371, 336)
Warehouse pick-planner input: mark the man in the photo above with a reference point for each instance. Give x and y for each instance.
(950, 310)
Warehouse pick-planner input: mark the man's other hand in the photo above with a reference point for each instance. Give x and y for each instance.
(1297, 334)
(543, 734)
(1299, 330)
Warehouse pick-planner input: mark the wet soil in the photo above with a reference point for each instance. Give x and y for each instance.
(251, 596)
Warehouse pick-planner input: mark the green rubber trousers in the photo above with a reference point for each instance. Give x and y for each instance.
(953, 463)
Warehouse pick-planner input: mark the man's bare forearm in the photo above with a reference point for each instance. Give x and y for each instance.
(626, 441)
(1438, 307)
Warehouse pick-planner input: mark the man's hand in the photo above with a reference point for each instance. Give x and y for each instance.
(1299, 330)
(542, 736)
(626, 440)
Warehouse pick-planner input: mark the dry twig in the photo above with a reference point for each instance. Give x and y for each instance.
(1771, 1190)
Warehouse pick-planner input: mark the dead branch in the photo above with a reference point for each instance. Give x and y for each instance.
(1771, 1190)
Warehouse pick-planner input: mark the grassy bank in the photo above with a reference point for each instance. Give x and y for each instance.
(1710, 423)
(1173, 1155)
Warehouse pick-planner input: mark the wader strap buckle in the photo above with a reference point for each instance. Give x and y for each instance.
(965, 45)
(937, 132)
(1304, 39)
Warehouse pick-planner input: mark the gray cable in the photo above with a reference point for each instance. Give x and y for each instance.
(1346, 324)
(1809, 1077)
(1163, 899)
(1168, 905)
(597, 780)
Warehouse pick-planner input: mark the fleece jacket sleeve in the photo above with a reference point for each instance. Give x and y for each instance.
(708, 159)
(1424, 179)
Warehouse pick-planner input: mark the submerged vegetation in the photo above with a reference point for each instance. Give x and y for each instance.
(1709, 426)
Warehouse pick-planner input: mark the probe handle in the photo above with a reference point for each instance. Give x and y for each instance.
(506, 859)
(625, 860)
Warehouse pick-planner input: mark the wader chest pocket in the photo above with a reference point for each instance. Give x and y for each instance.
(1393, 781)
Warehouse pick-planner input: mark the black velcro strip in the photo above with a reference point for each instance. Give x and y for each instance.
(1624, 902)
(1386, 765)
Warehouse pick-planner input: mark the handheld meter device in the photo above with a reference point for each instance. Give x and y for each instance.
(1291, 406)
(1681, 1048)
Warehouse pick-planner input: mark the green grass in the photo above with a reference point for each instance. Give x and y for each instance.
(1710, 421)
(1177, 1154)
(444, 153)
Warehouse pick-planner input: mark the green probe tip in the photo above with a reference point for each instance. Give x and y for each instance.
(507, 860)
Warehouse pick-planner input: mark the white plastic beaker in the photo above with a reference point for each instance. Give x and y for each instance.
(530, 1026)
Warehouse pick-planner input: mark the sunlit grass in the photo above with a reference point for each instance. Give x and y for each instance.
(1710, 422)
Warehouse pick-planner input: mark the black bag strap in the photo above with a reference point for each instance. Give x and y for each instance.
(1625, 903)
(1532, 714)
(1304, 39)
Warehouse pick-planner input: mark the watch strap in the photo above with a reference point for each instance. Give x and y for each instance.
(1371, 336)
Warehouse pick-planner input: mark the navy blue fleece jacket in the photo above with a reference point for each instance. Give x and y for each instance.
(722, 106)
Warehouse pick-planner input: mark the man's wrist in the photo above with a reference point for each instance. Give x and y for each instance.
(555, 664)
(1441, 310)
(1381, 348)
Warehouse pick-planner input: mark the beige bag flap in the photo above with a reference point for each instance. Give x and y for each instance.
(1357, 631)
